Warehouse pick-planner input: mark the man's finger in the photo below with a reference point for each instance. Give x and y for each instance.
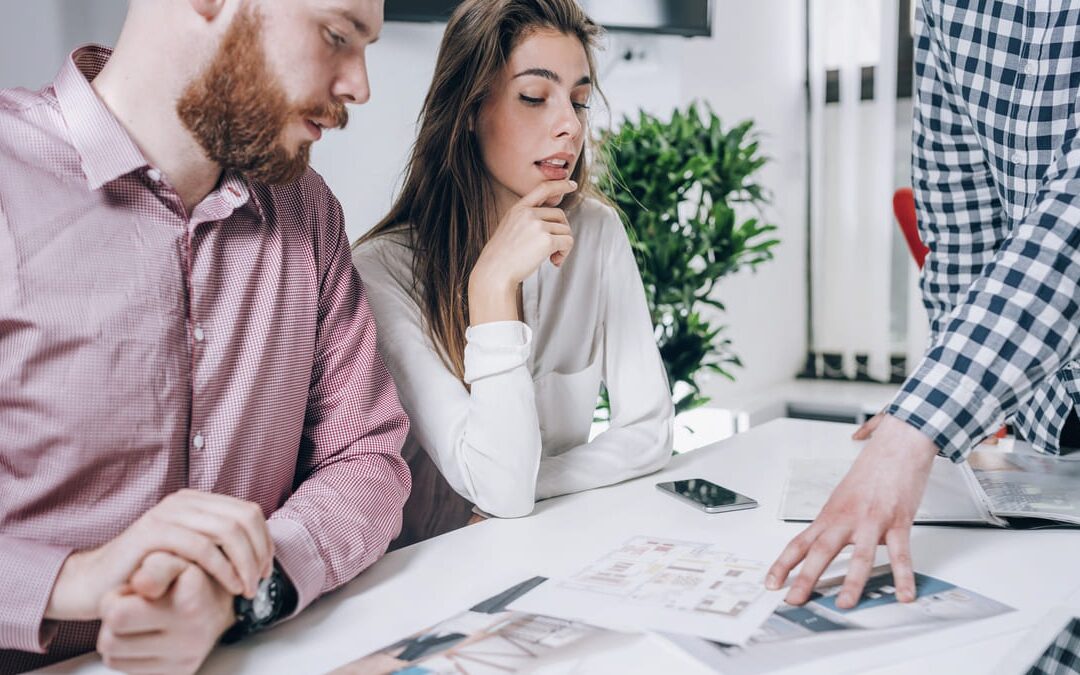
(868, 427)
(196, 548)
(791, 556)
(123, 612)
(898, 543)
(137, 646)
(859, 569)
(230, 535)
(134, 666)
(156, 574)
(821, 554)
(247, 515)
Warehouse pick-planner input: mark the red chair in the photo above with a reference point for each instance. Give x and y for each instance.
(903, 206)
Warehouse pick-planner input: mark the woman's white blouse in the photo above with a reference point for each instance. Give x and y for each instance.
(522, 433)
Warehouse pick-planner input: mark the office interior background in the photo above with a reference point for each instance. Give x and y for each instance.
(823, 328)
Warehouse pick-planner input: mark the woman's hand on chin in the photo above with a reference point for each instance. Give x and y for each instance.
(528, 234)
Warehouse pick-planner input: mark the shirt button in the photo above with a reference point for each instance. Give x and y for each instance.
(199, 334)
(1030, 67)
(1017, 157)
(154, 175)
(198, 441)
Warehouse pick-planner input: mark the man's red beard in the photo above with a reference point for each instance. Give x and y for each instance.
(238, 110)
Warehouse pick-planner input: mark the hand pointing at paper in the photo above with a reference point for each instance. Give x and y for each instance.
(874, 504)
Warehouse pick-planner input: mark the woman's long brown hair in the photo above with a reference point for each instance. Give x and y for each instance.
(446, 202)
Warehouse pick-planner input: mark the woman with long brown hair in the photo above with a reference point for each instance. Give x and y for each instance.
(504, 287)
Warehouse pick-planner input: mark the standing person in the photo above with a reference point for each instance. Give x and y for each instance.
(996, 173)
(193, 413)
(505, 289)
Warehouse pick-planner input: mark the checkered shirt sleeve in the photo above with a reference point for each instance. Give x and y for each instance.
(996, 174)
(1063, 655)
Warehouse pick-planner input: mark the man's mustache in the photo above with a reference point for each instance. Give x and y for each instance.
(335, 112)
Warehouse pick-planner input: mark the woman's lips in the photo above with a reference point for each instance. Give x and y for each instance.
(553, 170)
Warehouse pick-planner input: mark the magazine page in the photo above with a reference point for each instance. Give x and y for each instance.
(818, 629)
(488, 639)
(1028, 485)
(948, 497)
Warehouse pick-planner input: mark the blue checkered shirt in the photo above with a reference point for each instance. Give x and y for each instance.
(1062, 656)
(996, 175)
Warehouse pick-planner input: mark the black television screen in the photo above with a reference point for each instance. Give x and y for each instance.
(672, 17)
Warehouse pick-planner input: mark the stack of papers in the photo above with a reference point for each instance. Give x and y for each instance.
(819, 629)
(708, 604)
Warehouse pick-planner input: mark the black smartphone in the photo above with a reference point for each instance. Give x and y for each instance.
(706, 495)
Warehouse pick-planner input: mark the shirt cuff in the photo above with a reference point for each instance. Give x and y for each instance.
(950, 408)
(495, 348)
(28, 572)
(296, 553)
(481, 512)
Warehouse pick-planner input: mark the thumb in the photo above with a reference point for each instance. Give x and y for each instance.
(156, 574)
(867, 429)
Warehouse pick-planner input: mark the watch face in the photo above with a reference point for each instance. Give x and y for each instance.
(263, 604)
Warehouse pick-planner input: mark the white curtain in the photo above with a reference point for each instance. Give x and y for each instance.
(852, 177)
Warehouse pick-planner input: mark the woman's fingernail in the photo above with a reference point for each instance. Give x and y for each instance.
(770, 582)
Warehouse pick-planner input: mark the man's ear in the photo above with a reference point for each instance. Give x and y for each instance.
(208, 9)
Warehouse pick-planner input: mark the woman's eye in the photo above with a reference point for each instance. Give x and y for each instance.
(580, 106)
(530, 100)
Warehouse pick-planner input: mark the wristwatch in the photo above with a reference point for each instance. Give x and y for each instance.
(275, 597)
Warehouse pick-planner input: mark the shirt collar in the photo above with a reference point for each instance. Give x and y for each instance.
(239, 191)
(105, 148)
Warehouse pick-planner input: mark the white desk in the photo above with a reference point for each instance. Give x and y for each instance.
(420, 585)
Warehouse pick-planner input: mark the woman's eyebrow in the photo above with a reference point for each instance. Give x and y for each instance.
(551, 75)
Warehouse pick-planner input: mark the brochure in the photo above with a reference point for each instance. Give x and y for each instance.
(1000, 489)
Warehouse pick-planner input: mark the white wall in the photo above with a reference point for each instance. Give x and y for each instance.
(752, 67)
(363, 163)
(31, 43)
(36, 36)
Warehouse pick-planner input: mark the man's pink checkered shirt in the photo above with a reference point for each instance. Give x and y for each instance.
(144, 349)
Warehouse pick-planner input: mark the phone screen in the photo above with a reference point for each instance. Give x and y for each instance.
(706, 493)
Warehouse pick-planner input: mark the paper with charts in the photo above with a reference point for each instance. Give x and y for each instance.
(795, 636)
(650, 583)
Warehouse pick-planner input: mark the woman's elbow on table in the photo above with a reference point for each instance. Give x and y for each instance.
(659, 452)
(508, 504)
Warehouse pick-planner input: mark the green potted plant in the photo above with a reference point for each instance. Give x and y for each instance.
(688, 194)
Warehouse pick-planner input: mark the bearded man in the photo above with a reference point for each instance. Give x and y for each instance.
(197, 435)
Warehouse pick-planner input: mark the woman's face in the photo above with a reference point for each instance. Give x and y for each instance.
(532, 127)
